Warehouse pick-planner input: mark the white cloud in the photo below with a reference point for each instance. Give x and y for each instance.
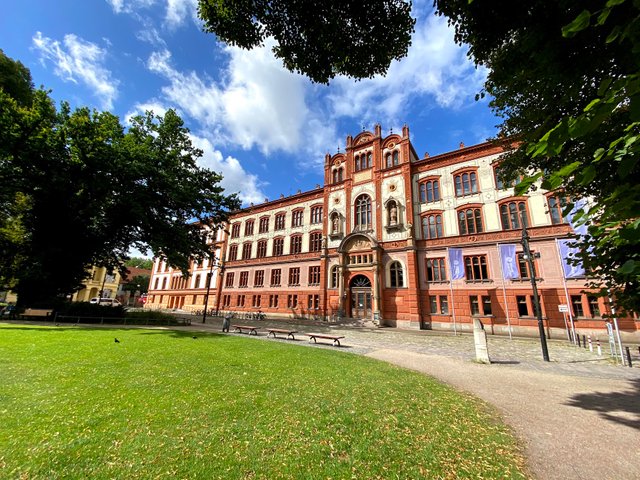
(435, 67)
(258, 103)
(236, 178)
(129, 6)
(179, 10)
(80, 61)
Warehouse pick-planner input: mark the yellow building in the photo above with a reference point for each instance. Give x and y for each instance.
(100, 280)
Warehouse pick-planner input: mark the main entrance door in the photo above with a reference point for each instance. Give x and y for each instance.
(360, 297)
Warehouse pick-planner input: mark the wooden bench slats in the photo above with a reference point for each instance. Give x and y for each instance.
(335, 338)
(36, 312)
(252, 330)
(289, 333)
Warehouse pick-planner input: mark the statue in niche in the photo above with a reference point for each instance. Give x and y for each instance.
(393, 214)
(335, 224)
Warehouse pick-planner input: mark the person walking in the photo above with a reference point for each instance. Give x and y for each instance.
(226, 322)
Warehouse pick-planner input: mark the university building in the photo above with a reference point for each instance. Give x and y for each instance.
(397, 240)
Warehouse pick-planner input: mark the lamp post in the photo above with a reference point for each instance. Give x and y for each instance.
(536, 298)
(206, 297)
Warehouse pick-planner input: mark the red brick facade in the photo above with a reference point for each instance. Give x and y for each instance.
(377, 249)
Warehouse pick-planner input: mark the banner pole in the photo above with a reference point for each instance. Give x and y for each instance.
(566, 293)
(504, 291)
(453, 303)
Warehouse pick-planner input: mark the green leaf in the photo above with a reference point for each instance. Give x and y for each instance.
(579, 23)
(628, 267)
(588, 174)
(613, 34)
(599, 153)
(525, 184)
(627, 165)
(604, 86)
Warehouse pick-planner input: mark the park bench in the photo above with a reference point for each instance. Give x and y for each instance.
(251, 329)
(335, 338)
(36, 312)
(289, 333)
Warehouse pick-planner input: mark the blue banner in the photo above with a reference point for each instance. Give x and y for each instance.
(509, 261)
(456, 263)
(580, 205)
(571, 270)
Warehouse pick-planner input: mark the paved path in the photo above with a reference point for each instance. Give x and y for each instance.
(578, 416)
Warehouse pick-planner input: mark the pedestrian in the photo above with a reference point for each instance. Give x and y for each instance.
(226, 322)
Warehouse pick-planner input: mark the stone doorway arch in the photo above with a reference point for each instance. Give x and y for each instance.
(361, 297)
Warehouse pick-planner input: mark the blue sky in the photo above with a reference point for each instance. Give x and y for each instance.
(265, 129)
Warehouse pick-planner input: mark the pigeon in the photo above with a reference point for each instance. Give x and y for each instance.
(116, 340)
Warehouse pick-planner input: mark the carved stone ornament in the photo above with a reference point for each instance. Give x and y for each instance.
(392, 187)
(336, 200)
(363, 139)
(336, 162)
(359, 244)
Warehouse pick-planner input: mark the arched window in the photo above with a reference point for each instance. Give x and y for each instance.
(164, 283)
(512, 213)
(369, 160)
(470, 221)
(334, 277)
(396, 276)
(337, 175)
(363, 212)
(466, 183)
(357, 163)
(396, 158)
(430, 191)
(388, 160)
(156, 284)
(196, 281)
(432, 226)
(557, 204)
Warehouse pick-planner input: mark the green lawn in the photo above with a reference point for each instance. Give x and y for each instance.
(75, 404)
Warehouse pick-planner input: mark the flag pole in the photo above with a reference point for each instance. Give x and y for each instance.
(504, 291)
(566, 294)
(453, 303)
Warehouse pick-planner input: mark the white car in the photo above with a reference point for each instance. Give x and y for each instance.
(110, 302)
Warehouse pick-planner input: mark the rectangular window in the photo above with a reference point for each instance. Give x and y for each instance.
(486, 305)
(436, 271)
(523, 266)
(275, 277)
(475, 306)
(315, 242)
(294, 276)
(278, 246)
(594, 307)
(233, 252)
(229, 280)
(248, 227)
(258, 278)
(241, 300)
(264, 225)
(235, 230)
(433, 303)
(296, 244)
(273, 301)
(576, 303)
(524, 310)
(255, 301)
(226, 300)
(476, 268)
(279, 221)
(244, 280)
(292, 301)
(444, 304)
(314, 275)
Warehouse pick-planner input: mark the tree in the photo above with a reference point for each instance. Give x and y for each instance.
(138, 262)
(564, 77)
(78, 190)
(318, 39)
(15, 79)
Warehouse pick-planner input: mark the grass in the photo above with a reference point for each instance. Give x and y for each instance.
(159, 404)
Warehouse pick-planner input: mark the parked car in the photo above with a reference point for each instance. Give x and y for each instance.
(110, 302)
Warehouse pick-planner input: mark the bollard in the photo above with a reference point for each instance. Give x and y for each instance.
(584, 341)
(628, 357)
(590, 344)
(599, 347)
(579, 344)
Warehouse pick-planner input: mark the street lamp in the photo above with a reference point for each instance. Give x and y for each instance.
(536, 298)
(213, 262)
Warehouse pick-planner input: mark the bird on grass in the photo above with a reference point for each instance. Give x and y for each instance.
(116, 340)
(194, 337)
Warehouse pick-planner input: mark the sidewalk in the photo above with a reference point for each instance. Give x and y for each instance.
(578, 416)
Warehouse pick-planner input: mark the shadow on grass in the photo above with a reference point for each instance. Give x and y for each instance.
(613, 406)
